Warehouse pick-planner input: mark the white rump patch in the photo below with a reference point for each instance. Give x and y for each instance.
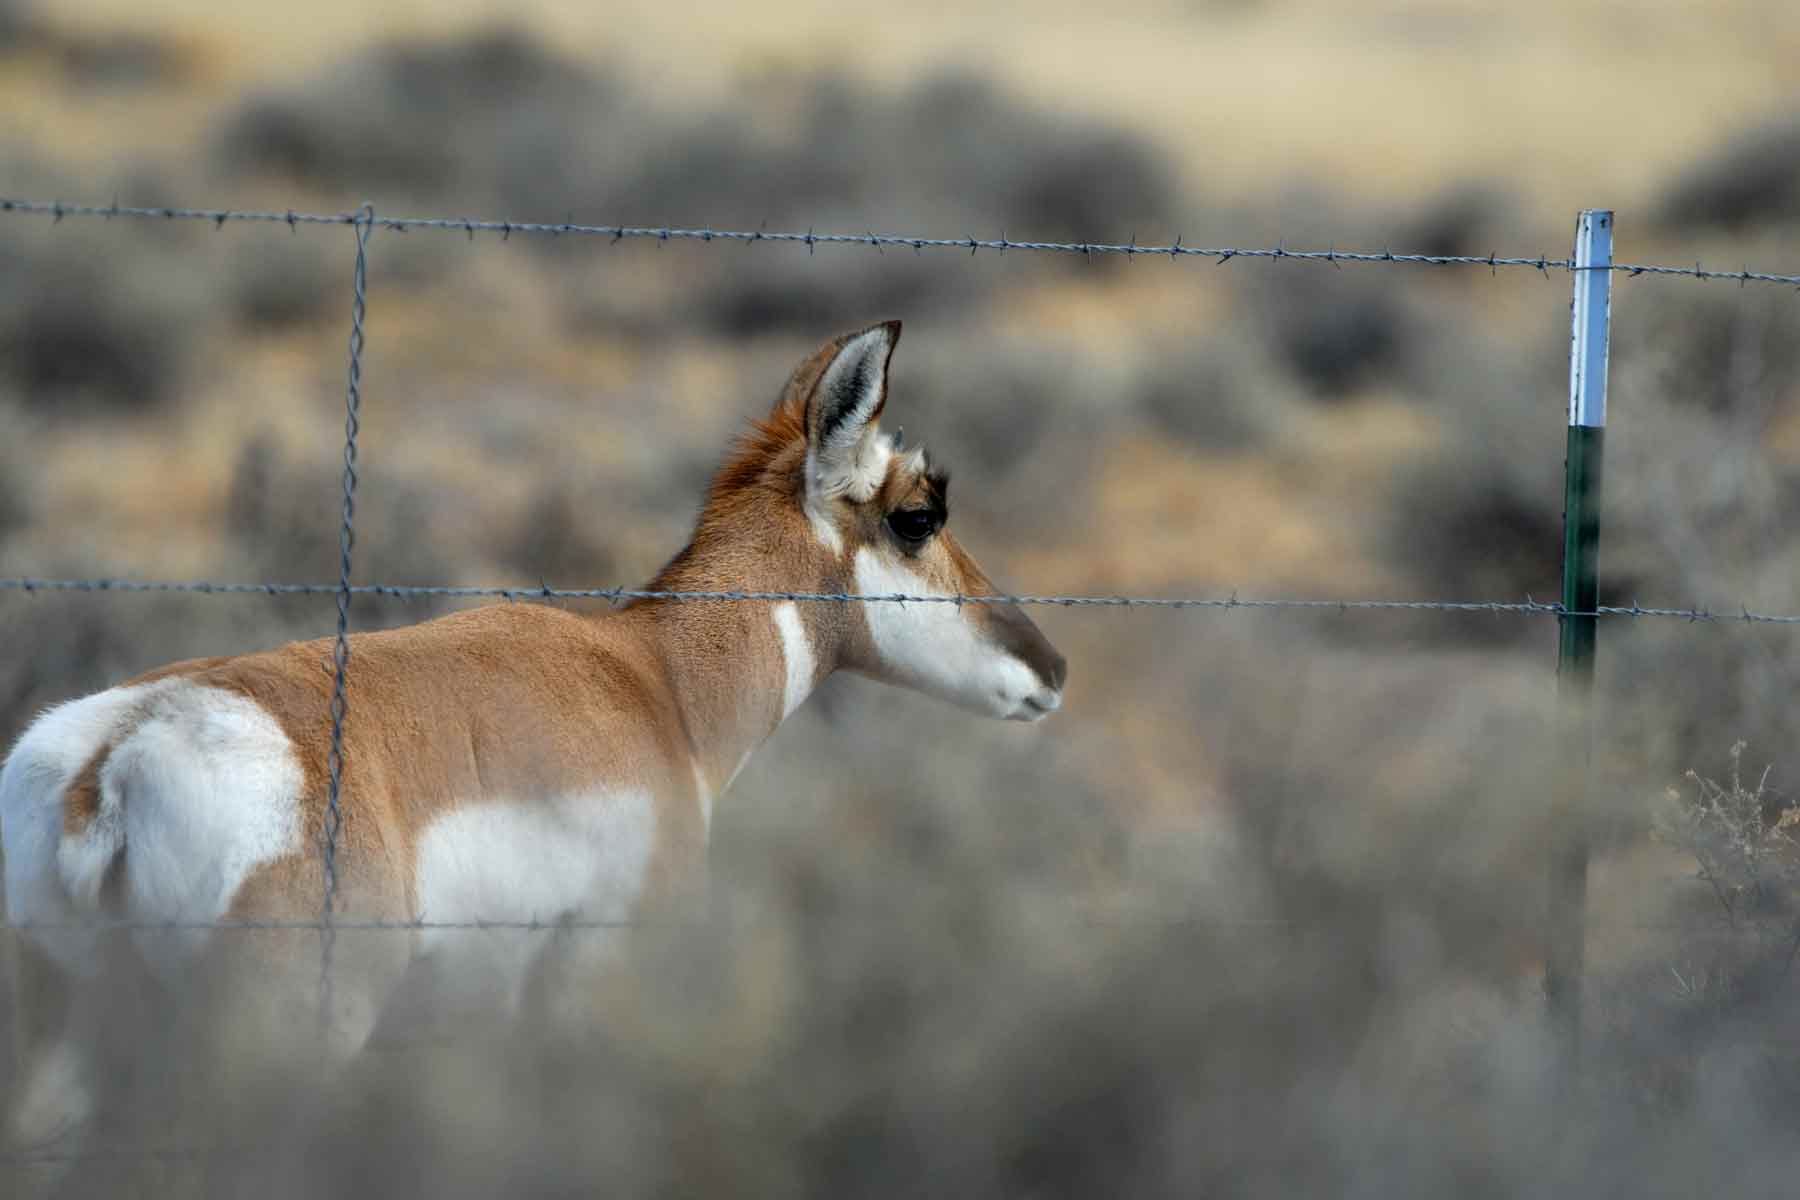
(209, 789)
(936, 648)
(796, 655)
(201, 788)
(32, 785)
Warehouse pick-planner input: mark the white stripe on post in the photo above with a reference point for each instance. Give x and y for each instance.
(1591, 316)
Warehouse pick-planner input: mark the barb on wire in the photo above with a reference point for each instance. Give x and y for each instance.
(340, 700)
(1525, 607)
(812, 239)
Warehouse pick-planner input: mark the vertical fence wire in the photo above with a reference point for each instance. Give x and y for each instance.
(340, 700)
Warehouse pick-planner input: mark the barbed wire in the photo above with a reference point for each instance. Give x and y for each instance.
(1525, 607)
(578, 925)
(219, 217)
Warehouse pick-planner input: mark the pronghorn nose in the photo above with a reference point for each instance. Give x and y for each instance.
(1022, 637)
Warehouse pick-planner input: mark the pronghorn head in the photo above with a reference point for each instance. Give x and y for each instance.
(850, 508)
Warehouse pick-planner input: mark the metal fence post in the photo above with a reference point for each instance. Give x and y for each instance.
(1591, 314)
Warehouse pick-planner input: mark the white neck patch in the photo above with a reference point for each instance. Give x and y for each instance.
(796, 655)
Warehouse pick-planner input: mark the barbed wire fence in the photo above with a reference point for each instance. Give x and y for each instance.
(365, 221)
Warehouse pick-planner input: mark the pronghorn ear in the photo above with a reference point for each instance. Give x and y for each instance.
(841, 415)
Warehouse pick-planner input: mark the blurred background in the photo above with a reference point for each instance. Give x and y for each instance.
(1259, 912)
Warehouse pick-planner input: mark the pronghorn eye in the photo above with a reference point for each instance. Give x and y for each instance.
(912, 524)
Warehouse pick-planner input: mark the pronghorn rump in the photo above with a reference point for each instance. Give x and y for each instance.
(509, 763)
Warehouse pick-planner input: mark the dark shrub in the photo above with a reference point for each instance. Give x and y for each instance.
(90, 60)
(19, 26)
(417, 119)
(278, 282)
(15, 508)
(285, 516)
(1038, 175)
(70, 336)
(1465, 526)
(1211, 397)
(785, 291)
(120, 61)
(1754, 180)
(558, 541)
(1721, 351)
(1478, 536)
(1454, 222)
(718, 169)
(1336, 331)
(280, 516)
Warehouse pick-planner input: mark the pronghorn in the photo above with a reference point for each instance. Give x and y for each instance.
(511, 763)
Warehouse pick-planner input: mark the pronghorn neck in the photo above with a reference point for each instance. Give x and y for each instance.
(738, 669)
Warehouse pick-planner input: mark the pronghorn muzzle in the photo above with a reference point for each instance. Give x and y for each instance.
(1020, 637)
